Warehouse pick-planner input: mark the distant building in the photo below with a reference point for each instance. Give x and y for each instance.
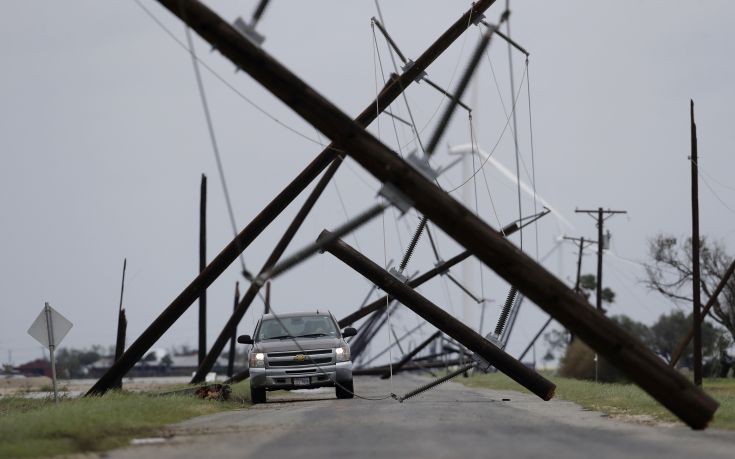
(38, 367)
(159, 363)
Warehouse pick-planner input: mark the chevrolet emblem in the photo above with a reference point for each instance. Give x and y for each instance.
(299, 357)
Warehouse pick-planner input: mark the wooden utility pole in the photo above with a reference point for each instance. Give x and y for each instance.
(600, 215)
(577, 282)
(202, 350)
(233, 338)
(268, 297)
(122, 324)
(696, 299)
(581, 244)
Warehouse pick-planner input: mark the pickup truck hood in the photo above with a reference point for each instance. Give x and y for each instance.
(288, 344)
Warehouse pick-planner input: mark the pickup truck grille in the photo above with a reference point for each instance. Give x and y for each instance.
(295, 353)
(296, 358)
(293, 363)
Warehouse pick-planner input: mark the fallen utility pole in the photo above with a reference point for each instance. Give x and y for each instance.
(406, 358)
(393, 88)
(712, 300)
(202, 349)
(623, 350)
(440, 268)
(233, 337)
(696, 287)
(601, 216)
(390, 92)
(441, 319)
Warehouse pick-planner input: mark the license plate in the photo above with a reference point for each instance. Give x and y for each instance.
(301, 381)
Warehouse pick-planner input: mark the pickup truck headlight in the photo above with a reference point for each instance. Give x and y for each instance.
(257, 359)
(342, 353)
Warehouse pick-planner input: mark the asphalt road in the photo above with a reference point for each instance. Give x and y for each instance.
(450, 421)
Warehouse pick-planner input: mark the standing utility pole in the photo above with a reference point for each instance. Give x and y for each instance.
(696, 300)
(581, 241)
(601, 216)
(122, 324)
(202, 264)
(233, 338)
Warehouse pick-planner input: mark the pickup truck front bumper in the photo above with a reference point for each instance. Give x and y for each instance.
(283, 378)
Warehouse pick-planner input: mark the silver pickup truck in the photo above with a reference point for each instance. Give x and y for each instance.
(301, 350)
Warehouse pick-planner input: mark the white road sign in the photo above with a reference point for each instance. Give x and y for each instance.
(40, 329)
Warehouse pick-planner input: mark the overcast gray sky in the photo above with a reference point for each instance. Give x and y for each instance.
(103, 140)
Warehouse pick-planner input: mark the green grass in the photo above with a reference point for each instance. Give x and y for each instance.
(619, 399)
(38, 428)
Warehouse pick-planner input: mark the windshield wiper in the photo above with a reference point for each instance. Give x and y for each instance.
(312, 335)
(281, 337)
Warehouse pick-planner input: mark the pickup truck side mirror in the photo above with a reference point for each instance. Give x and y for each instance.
(349, 331)
(245, 339)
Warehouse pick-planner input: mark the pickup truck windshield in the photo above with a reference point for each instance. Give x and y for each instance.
(297, 327)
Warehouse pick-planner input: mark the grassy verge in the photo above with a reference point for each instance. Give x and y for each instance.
(619, 399)
(37, 428)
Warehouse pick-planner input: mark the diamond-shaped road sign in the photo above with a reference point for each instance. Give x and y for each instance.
(60, 326)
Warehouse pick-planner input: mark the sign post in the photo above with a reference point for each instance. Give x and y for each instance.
(49, 329)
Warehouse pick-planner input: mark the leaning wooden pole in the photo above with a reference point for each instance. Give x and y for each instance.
(202, 349)
(441, 319)
(696, 287)
(441, 268)
(711, 302)
(620, 348)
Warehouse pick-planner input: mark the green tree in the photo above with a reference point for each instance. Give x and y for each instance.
(72, 363)
(588, 284)
(670, 328)
(670, 273)
(166, 361)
